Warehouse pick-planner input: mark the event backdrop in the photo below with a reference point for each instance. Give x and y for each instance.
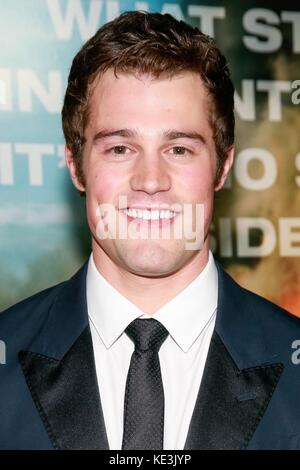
(256, 229)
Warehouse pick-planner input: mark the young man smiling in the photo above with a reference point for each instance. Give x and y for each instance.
(151, 345)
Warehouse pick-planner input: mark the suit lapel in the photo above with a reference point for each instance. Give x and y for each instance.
(66, 395)
(230, 402)
(60, 372)
(240, 373)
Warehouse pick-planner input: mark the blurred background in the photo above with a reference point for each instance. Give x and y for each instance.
(256, 229)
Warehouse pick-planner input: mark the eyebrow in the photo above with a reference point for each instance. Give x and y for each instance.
(170, 134)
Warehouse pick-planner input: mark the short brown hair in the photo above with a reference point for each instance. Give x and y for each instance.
(139, 42)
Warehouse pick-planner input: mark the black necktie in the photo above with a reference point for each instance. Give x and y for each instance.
(144, 394)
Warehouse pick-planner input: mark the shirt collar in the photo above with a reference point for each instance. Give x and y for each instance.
(185, 316)
(109, 311)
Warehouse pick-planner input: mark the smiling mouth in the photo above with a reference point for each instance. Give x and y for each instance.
(147, 217)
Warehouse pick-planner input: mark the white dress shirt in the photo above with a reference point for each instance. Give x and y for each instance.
(189, 318)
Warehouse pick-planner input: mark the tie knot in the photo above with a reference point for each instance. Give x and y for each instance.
(146, 334)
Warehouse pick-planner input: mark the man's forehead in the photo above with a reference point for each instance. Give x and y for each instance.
(113, 95)
(107, 109)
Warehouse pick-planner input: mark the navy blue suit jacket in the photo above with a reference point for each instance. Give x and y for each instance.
(249, 396)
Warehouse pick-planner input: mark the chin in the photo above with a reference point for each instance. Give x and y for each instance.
(151, 265)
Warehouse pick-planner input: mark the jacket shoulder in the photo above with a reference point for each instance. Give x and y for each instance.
(32, 309)
(274, 319)
(270, 310)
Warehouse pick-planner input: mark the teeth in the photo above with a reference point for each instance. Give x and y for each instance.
(147, 215)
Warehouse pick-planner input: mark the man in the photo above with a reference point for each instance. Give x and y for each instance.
(150, 345)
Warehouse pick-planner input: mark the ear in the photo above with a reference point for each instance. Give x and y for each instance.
(72, 169)
(226, 168)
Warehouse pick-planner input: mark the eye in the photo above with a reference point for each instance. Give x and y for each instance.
(118, 152)
(118, 149)
(180, 151)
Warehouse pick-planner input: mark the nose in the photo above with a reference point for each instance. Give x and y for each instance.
(150, 175)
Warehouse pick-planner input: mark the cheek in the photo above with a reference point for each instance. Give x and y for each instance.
(198, 185)
(103, 185)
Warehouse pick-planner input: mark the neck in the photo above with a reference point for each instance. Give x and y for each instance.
(149, 293)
